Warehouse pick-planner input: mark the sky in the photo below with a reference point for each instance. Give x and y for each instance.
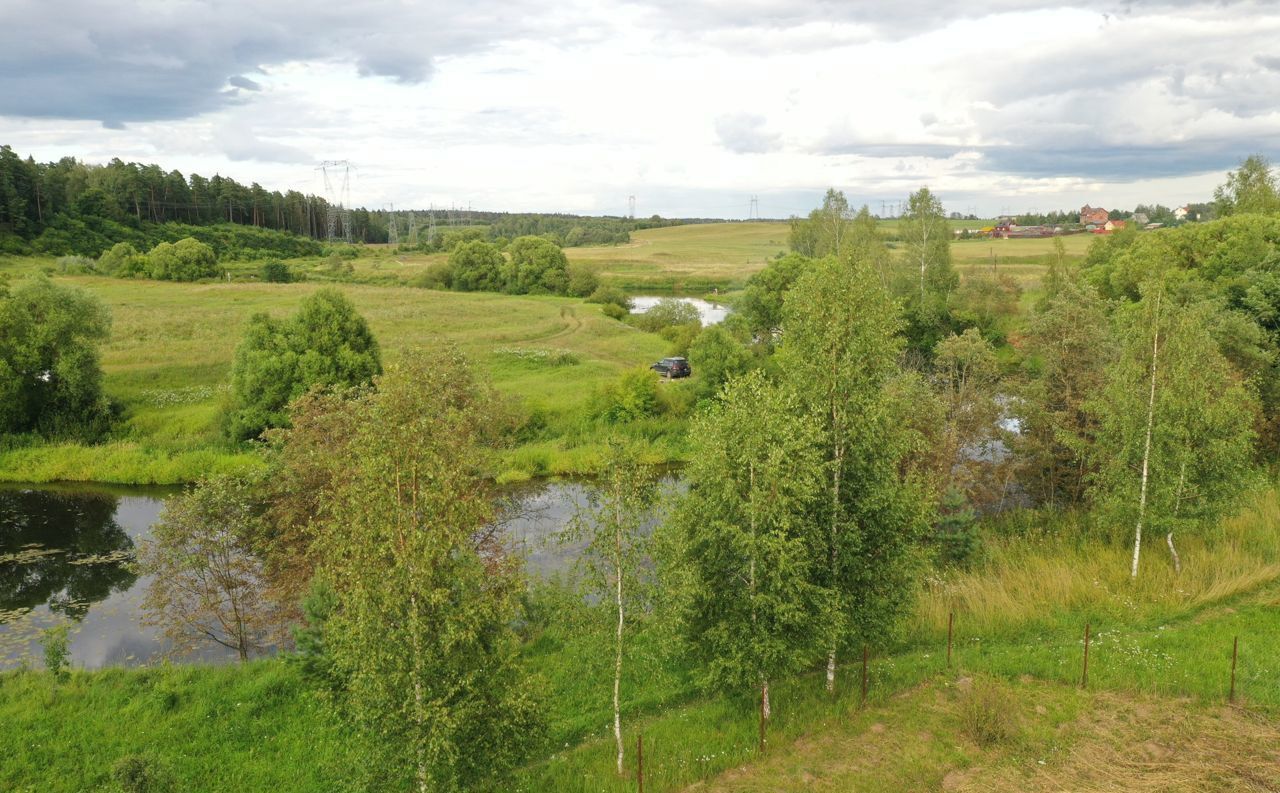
(693, 107)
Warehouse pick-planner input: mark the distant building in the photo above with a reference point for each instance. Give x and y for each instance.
(1114, 225)
(1181, 213)
(1095, 215)
(1140, 219)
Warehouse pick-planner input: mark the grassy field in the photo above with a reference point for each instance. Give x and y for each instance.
(690, 258)
(1008, 714)
(169, 356)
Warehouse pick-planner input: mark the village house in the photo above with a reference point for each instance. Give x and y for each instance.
(1181, 213)
(1093, 215)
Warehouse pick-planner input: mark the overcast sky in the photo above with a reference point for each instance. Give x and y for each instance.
(692, 106)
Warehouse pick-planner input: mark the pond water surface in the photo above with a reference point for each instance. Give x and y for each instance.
(67, 553)
(710, 313)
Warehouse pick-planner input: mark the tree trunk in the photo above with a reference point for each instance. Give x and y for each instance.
(1177, 562)
(617, 660)
(1146, 451)
(836, 472)
(765, 705)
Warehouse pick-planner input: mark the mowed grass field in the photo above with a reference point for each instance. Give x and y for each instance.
(689, 258)
(168, 361)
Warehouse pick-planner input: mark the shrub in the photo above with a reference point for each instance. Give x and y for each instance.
(276, 272)
(75, 265)
(185, 260)
(582, 281)
(56, 651)
(957, 530)
(123, 261)
(611, 295)
(668, 312)
(437, 275)
(632, 396)
(536, 266)
(476, 266)
(988, 713)
(140, 774)
(615, 311)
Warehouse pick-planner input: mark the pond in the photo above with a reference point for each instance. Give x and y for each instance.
(67, 553)
(710, 313)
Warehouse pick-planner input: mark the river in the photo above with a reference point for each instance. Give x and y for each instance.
(66, 555)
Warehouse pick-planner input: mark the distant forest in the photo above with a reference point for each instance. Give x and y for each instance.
(72, 207)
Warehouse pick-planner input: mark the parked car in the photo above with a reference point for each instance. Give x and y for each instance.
(672, 367)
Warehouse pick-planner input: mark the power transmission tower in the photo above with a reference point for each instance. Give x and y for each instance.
(631, 207)
(338, 196)
(431, 225)
(754, 212)
(412, 238)
(393, 230)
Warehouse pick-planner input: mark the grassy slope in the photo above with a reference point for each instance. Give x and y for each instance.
(169, 357)
(1161, 650)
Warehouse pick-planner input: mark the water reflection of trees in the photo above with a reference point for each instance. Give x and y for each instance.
(63, 550)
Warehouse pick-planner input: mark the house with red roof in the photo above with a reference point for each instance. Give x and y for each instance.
(1093, 215)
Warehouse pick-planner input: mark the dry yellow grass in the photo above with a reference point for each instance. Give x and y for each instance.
(1063, 740)
(1026, 579)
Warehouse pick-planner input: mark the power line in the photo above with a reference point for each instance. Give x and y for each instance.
(339, 197)
(393, 228)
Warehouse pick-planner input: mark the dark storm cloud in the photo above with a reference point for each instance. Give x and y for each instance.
(128, 60)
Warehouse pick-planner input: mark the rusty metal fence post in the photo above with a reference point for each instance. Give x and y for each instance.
(1084, 676)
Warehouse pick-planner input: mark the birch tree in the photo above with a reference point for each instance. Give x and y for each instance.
(840, 349)
(927, 236)
(754, 612)
(615, 525)
(1176, 434)
(422, 626)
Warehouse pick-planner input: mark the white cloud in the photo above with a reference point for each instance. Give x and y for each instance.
(691, 106)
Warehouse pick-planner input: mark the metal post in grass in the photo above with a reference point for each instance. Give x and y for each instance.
(865, 653)
(951, 618)
(1235, 651)
(1084, 676)
(640, 763)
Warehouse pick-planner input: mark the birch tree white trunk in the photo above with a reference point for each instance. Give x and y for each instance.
(1146, 451)
(617, 660)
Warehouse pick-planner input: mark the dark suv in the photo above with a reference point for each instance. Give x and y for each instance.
(672, 367)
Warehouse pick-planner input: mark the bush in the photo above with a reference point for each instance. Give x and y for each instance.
(957, 531)
(536, 266)
(667, 313)
(140, 774)
(633, 396)
(75, 265)
(611, 295)
(582, 281)
(276, 272)
(185, 260)
(476, 266)
(56, 651)
(988, 713)
(437, 275)
(123, 261)
(716, 356)
(615, 311)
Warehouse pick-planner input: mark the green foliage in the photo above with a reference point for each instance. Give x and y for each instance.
(956, 532)
(717, 357)
(1173, 386)
(185, 260)
(123, 261)
(422, 628)
(56, 651)
(50, 379)
(476, 266)
(535, 266)
(582, 281)
(839, 355)
(614, 311)
(825, 232)
(1251, 188)
(610, 295)
(143, 774)
(929, 278)
(632, 396)
(326, 344)
(753, 612)
(312, 656)
(669, 312)
(276, 272)
(761, 302)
